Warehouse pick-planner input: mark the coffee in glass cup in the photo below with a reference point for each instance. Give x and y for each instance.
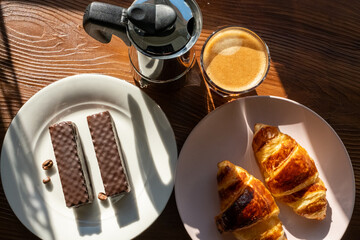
(234, 60)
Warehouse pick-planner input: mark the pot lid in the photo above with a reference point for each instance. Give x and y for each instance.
(172, 39)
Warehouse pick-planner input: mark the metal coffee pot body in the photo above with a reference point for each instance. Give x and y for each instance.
(160, 35)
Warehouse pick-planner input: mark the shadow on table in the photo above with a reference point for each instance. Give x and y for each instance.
(78, 5)
(10, 91)
(8, 80)
(186, 102)
(315, 63)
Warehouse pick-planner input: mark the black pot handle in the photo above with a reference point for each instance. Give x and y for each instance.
(102, 20)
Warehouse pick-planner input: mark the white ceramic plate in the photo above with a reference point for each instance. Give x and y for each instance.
(226, 134)
(148, 144)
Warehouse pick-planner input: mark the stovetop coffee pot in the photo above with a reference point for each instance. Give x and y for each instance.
(160, 35)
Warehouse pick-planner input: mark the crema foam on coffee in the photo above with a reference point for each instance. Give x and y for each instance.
(235, 60)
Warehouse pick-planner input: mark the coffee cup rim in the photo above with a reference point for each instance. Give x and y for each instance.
(215, 87)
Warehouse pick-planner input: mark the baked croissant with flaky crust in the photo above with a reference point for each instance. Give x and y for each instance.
(248, 209)
(289, 172)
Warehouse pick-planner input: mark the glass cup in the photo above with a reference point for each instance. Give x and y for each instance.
(234, 60)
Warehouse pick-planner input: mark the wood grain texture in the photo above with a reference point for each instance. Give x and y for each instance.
(315, 51)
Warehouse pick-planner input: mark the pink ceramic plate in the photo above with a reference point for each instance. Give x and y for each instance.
(226, 134)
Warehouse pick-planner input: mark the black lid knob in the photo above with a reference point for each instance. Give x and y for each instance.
(152, 19)
(156, 30)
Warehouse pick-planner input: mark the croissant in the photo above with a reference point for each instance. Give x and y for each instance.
(248, 209)
(290, 173)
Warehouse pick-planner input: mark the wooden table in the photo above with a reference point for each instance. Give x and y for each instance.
(315, 50)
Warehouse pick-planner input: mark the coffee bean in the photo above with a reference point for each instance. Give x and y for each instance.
(47, 164)
(102, 196)
(46, 180)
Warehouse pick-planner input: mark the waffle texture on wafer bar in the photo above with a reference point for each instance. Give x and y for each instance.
(108, 153)
(71, 164)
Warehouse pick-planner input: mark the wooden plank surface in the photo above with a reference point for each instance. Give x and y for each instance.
(315, 51)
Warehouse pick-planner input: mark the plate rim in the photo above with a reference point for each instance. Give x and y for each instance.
(201, 122)
(173, 156)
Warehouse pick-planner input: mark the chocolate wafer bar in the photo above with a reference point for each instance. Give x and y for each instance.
(108, 153)
(71, 164)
